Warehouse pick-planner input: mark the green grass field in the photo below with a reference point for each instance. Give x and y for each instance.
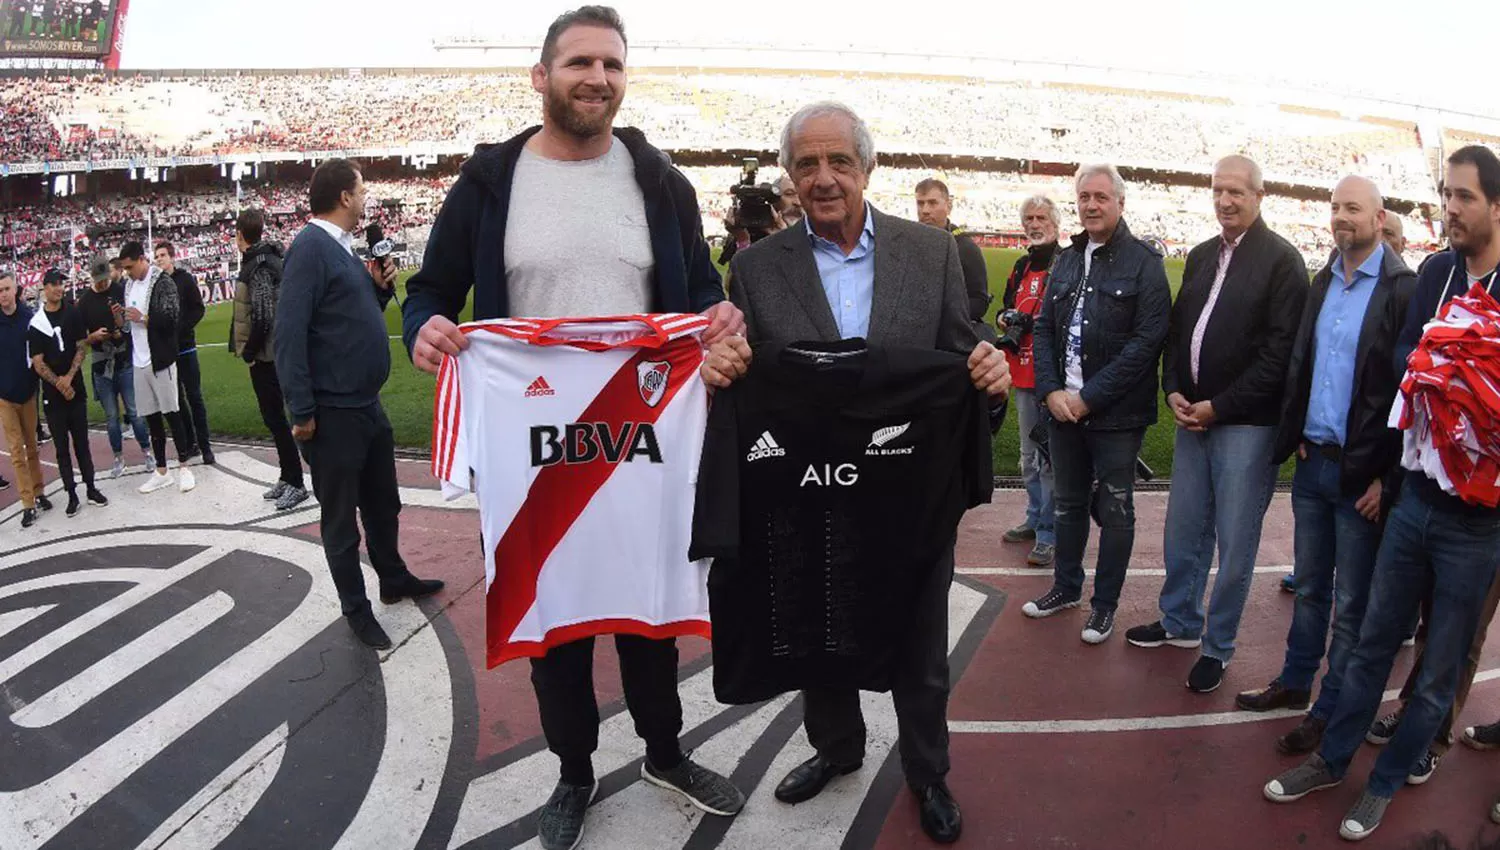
(232, 411)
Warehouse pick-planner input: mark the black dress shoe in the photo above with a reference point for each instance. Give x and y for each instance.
(808, 778)
(368, 629)
(208, 456)
(413, 588)
(941, 819)
(43, 503)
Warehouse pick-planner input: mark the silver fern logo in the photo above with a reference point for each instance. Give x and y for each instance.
(883, 436)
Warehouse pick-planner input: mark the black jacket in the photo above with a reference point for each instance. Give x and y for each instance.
(1242, 362)
(466, 248)
(1371, 448)
(192, 309)
(1126, 311)
(162, 316)
(976, 274)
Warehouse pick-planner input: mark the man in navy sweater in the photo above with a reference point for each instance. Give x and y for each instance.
(332, 358)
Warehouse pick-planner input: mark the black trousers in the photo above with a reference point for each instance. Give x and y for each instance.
(353, 459)
(836, 727)
(69, 423)
(273, 412)
(159, 437)
(564, 683)
(190, 402)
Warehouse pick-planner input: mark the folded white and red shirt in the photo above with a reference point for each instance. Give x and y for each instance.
(1449, 403)
(582, 440)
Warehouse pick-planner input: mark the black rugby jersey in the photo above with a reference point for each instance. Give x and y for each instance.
(832, 482)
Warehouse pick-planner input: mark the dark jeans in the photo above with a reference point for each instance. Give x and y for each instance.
(273, 412)
(1427, 550)
(919, 691)
(1334, 557)
(1080, 459)
(353, 459)
(69, 423)
(1444, 738)
(564, 684)
(190, 402)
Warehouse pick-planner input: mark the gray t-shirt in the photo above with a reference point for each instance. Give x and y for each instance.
(576, 238)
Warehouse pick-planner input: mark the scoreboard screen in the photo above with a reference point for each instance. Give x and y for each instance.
(81, 29)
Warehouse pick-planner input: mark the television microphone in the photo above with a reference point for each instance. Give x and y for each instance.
(380, 249)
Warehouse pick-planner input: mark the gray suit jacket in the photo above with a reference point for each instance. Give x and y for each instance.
(919, 296)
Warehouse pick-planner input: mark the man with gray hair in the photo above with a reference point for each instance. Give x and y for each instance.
(1024, 291)
(1223, 373)
(823, 282)
(1097, 341)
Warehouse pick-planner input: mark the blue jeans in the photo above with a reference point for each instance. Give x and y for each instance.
(106, 387)
(1080, 459)
(1426, 549)
(1222, 480)
(1335, 551)
(1037, 473)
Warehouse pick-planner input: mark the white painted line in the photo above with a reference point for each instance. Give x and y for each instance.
(214, 812)
(12, 620)
(421, 497)
(1046, 572)
(60, 702)
(289, 519)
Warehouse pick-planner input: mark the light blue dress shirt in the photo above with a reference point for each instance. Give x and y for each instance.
(848, 281)
(1337, 345)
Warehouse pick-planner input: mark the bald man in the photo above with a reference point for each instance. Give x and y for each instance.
(1340, 385)
(1393, 233)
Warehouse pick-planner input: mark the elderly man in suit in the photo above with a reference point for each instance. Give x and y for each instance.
(850, 271)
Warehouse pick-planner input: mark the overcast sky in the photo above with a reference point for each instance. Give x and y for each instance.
(1446, 59)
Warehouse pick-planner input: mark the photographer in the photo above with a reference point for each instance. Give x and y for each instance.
(755, 212)
(1022, 303)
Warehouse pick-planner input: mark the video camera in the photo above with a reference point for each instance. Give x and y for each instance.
(1017, 325)
(754, 205)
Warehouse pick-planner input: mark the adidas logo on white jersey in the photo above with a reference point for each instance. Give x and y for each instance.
(765, 447)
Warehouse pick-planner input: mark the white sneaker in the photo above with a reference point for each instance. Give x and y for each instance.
(157, 481)
(119, 467)
(148, 466)
(185, 480)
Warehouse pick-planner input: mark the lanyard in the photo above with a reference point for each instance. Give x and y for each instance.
(1488, 281)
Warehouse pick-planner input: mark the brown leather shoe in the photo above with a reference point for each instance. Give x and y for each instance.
(1272, 697)
(1304, 739)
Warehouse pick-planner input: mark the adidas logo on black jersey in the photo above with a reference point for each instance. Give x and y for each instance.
(765, 447)
(884, 436)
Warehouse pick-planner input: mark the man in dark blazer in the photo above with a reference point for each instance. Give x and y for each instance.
(1228, 340)
(1340, 383)
(332, 357)
(850, 272)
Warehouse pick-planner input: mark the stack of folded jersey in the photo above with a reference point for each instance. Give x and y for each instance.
(1449, 404)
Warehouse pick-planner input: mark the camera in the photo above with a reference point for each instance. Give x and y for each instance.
(1017, 325)
(754, 203)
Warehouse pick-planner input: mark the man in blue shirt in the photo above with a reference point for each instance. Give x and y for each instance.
(1340, 385)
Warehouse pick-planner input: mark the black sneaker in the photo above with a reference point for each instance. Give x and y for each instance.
(702, 787)
(95, 497)
(1482, 737)
(1383, 730)
(73, 505)
(1155, 634)
(28, 517)
(1207, 675)
(1050, 603)
(43, 503)
(1423, 770)
(4, 485)
(1100, 626)
(208, 456)
(560, 825)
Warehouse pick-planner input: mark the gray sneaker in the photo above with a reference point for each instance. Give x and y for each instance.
(118, 468)
(291, 498)
(1364, 818)
(276, 492)
(1307, 777)
(560, 826)
(1042, 555)
(702, 787)
(1019, 534)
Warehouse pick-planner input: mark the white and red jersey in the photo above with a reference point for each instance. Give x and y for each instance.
(581, 438)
